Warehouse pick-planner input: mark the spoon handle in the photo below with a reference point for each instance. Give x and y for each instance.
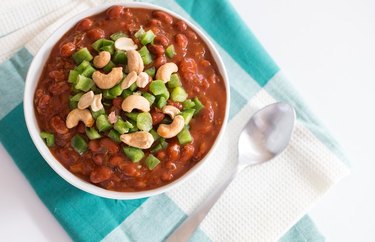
(187, 228)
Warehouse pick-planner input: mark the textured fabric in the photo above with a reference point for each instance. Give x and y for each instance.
(261, 205)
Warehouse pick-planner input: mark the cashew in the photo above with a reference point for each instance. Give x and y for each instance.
(143, 79)
(140, 139)
(96, 104)
(165, 71)
(135, 62)
(77, 115)
(171, 130)
(107, 81)
(129, 80)
(135, 102)
(125, 43)
(102, 59)
(86, 100)
(172, 111)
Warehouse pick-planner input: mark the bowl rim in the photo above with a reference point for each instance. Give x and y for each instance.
(32, 80)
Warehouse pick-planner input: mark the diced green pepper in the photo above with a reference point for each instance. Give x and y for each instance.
(133, 116)
(126, 93)
(148, 37)
(160, 146)
(92, 133)
(170, 52)
(198, 105)
(73, 75)
(108, 48)
(122, 126)
(188, 104)
(96, 89)
(139, 33)
(150, 98)
(119, 57)
(161, 102)
(109, 66)
(133, 87)
(81, 55)
(96, 114)
(113, 92)
(151, 71)
(88, 71)
(151, 162)
(79, 144)
(146, 55)
(73, 100)
(184, 136)
(118, 35)
(174, 81)
(179, 94)
(158, 87)
(81, 67)
(102, 123)
(84, 83)
(100, 43)
(134, 154)
(144, 121)
(48, 138)
(114, 135)
(188, 114)
(154, 134)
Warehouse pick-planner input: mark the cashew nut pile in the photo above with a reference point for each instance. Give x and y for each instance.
(118, 93)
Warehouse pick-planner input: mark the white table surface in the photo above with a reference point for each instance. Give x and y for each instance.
(326, 48)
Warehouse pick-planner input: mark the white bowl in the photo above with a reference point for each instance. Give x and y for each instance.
(32, 79)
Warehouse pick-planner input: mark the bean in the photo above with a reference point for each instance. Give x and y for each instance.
(130, 169)
(213, 78)
(205, 84)
(201, 151)
(95, 33)
(76, 168)
(161, 155)
(164, 17)
(58, 125)
(140, 184)
(205, 63)
(187, 153)
(156, 49)
(117, 102)
(155, 30)
(98, 159)
(43, 103)
(57, 75)
(160, 60)
(117, 160)
(181, 40)
(128, 13)
(67, 49)
(115, 12)
(170, 166)
(81, 128)
(100, 174)
(84, 24)
(155, 22)
(191, 35)
(94, 145)
(166, 176)
(173, 152)
(157, 117)
(180, 26)
(188, 69)
(59, 88)
(110, 145)
(161, 40)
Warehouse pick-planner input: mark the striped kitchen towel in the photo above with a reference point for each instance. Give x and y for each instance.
(266, 203)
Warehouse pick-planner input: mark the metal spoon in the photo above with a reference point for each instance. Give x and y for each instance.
(264, 137)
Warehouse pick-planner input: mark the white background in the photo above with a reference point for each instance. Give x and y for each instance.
(326, 49)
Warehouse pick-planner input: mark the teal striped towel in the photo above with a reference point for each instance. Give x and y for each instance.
(265, 203)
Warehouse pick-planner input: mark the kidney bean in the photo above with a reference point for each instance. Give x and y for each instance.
(98, 159)
(205, 63)
(128, 13)
(170, 166)
(160, 60)
(156, 49)
(173, 152)
(58, 125)
(155, 22)
(180, 25)
(166, 176)
(140, 184)
(95, 33)
(157, 117)
(100, 174)
(76, 168)
(43, 103)
(110, 145)
(164, 17)
(155, 30)
(205, 84)
(130, 169)
(181, 40)
(201, 151)
(188, 69)
(59, 88)
(115, 12)
(161, 155)
(57, 75)
(175, 104)
(161, 40)
(67, 49)
(191, 35)
(81, 128)
(117, 160)
(84, 24)
(187, 152)
(94, 145)
(117, 102)
(62, 140)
